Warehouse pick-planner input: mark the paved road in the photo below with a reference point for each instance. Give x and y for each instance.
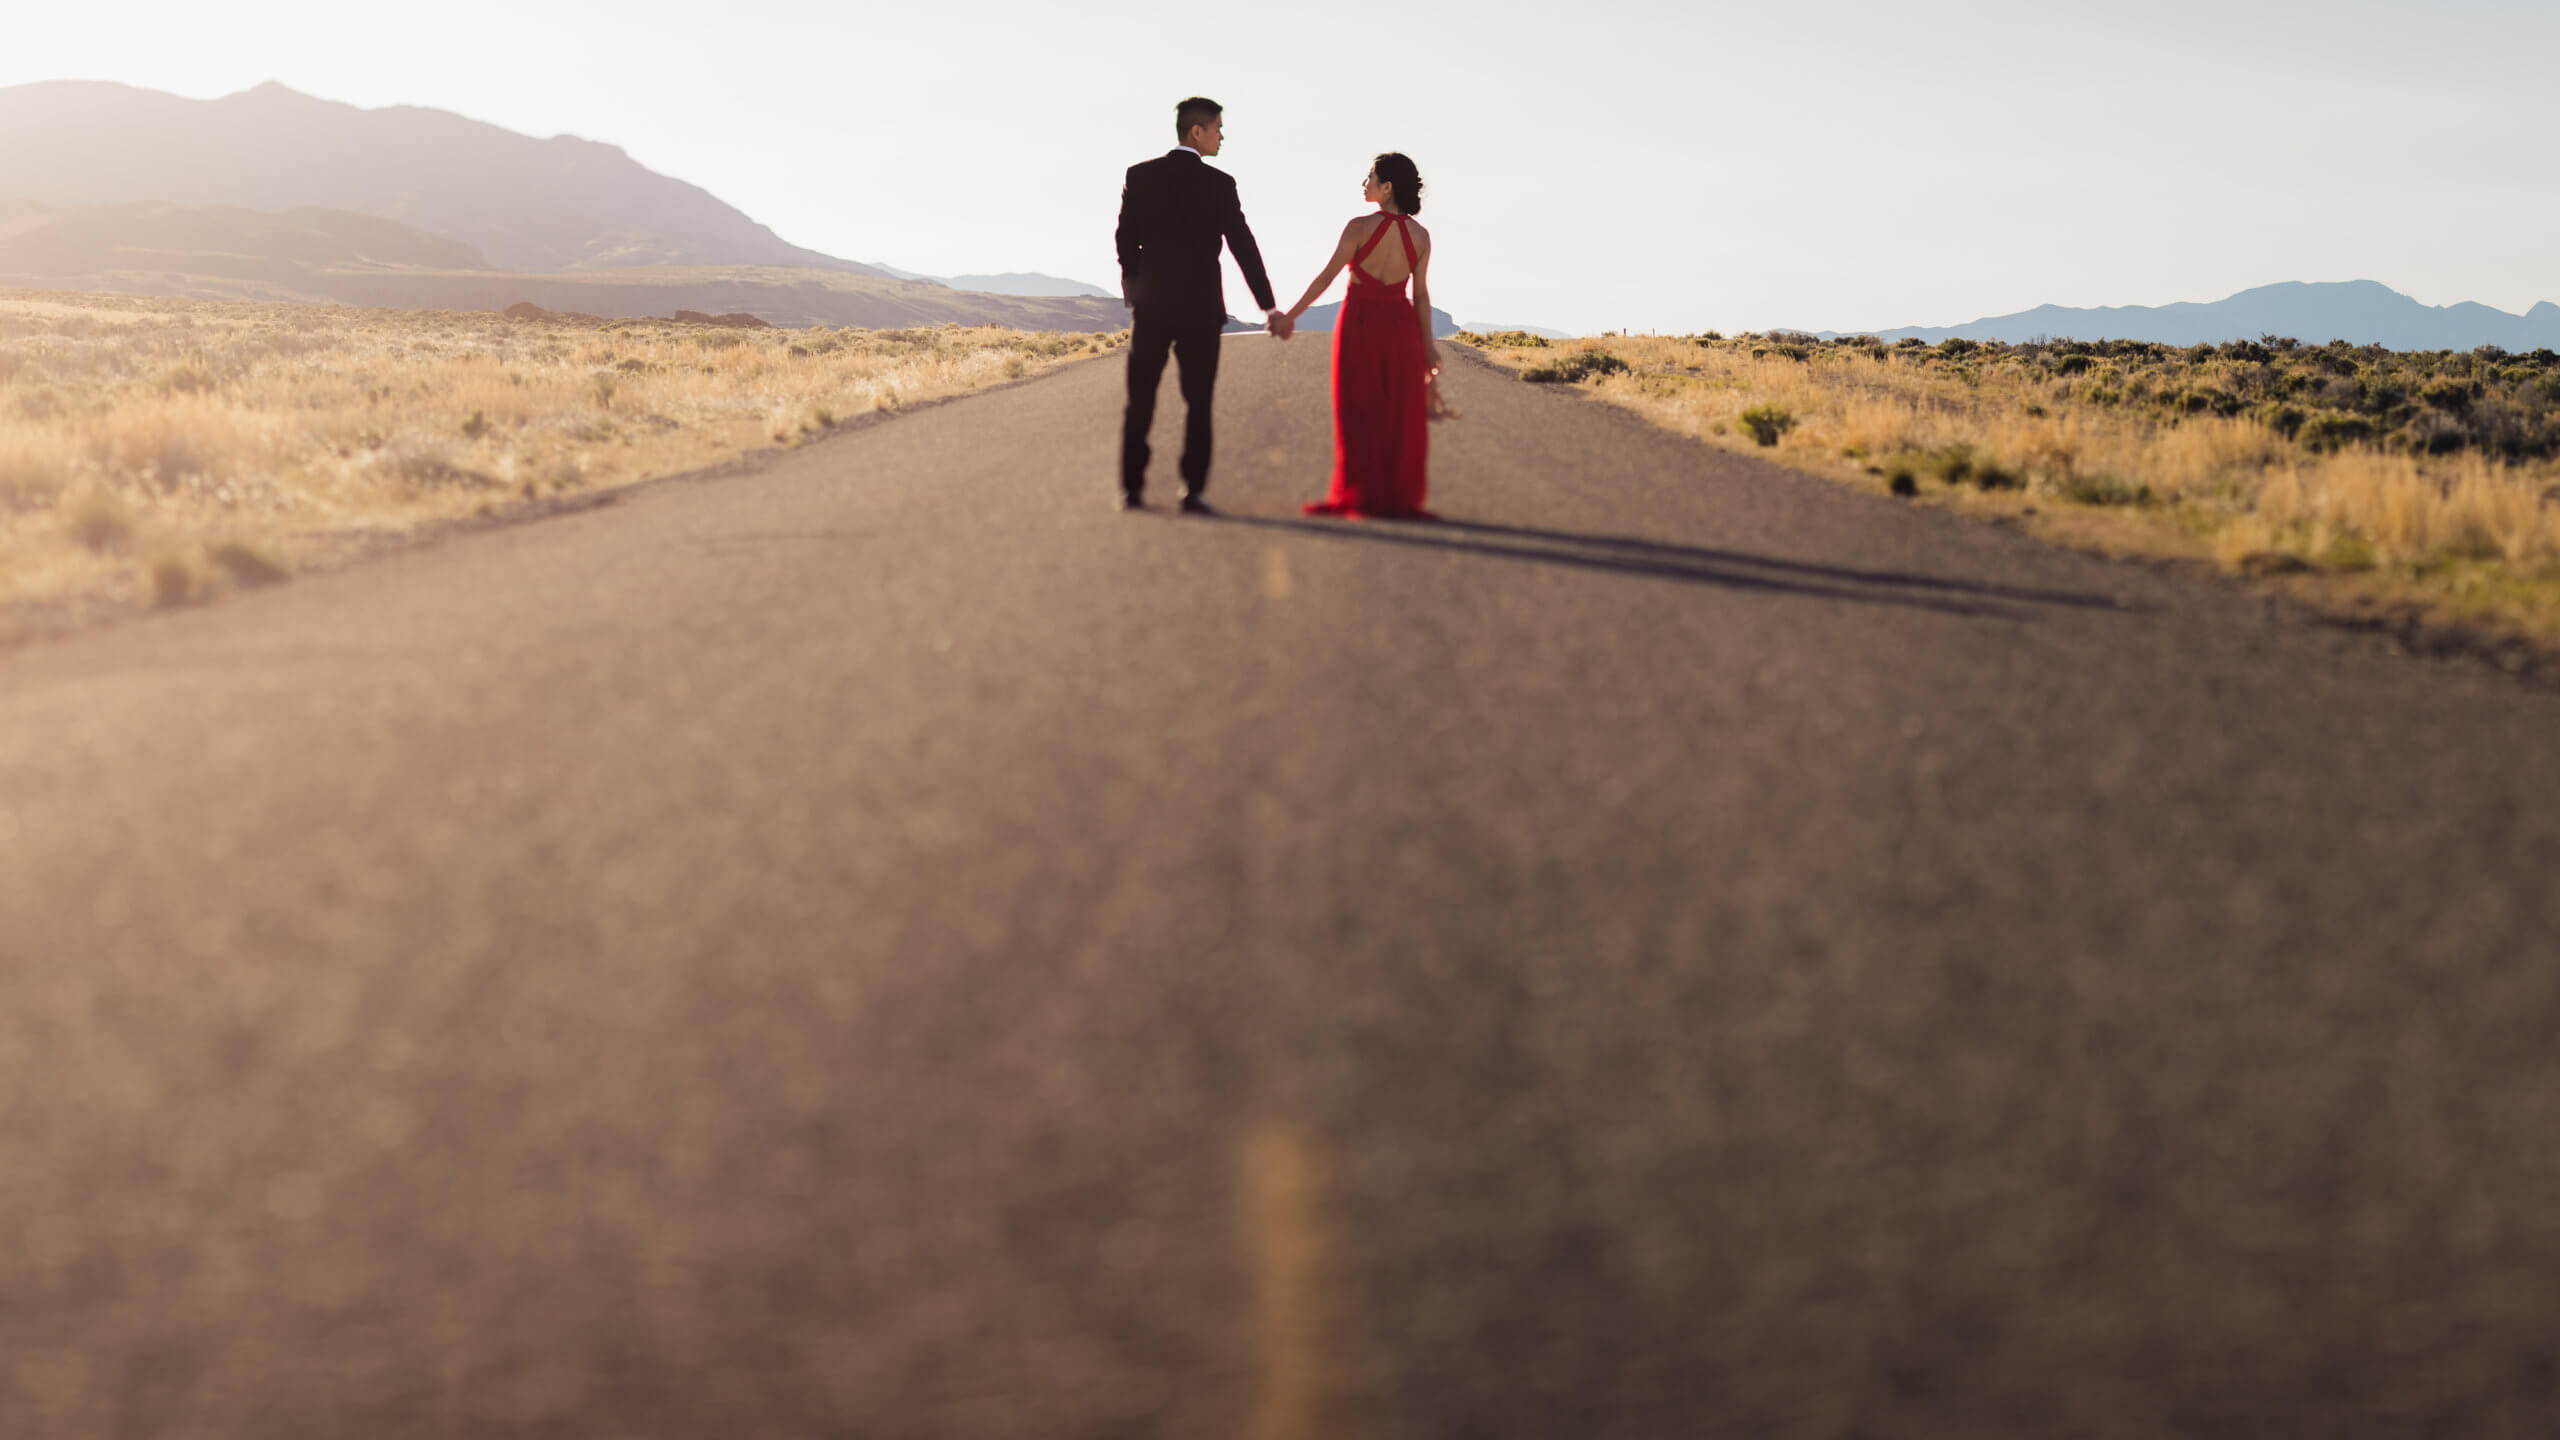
(887, 946)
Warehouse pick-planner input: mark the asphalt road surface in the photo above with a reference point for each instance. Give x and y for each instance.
(886, 945)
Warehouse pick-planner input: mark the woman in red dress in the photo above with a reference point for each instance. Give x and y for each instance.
(1386, 366)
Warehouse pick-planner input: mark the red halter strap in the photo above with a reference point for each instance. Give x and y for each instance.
(1402, 234)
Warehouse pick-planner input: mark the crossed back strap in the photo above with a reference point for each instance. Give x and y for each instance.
(1397, 223)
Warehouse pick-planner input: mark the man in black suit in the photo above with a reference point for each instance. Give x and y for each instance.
(1173, 213)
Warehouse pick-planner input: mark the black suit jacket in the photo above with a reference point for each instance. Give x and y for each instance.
(1173, 213)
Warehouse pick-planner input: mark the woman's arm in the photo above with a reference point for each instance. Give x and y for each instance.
(1332, 267)
(1422, 302)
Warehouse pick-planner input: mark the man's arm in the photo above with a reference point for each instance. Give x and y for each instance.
(1324, 279)
(1248, 255)
(1125, 239)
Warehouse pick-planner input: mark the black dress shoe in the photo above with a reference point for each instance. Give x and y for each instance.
(1133, 502)
(1192, 504)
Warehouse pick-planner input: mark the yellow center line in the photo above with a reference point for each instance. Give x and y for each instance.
(1282, 1177)
(1275, 573)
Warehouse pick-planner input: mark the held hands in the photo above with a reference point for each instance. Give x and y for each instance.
(1279, 324)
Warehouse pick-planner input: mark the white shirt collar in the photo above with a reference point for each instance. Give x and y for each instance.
(1194, 153)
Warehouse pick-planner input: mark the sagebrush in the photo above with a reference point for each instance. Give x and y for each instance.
(163, 448)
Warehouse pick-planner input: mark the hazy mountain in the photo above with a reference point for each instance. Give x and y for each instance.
(213, 240)
(2362, 312)
(1320, 318)
(1489, 328)
(787, 296)
(523, 204)
(1012, 283)
(1022, 283)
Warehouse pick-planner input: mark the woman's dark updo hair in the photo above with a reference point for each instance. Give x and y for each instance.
(1401, 177)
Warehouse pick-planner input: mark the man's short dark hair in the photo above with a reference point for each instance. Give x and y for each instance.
(1198, 110)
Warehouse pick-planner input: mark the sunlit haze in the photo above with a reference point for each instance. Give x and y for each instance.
(1612, 164)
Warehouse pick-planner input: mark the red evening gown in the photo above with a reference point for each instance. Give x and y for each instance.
(1381, 375)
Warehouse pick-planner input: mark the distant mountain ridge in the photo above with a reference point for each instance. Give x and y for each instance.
(316, 256)
(1320, 320)
(524, 204)
(213, 240)
(2361, 312)
(1488, 327)
(273, 196)
(1014, 282)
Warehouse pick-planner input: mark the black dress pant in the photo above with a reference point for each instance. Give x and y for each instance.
(1194, 348)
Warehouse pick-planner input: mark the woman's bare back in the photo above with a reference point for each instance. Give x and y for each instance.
(1386, 264)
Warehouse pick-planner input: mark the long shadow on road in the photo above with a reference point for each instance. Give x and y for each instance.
(1697, 565)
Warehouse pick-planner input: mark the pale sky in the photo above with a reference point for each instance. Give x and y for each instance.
(1595, 164)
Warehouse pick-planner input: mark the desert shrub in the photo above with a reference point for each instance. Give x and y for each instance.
(247, 564)
(1950, 464)
(2285, 420)
(2072, 364)
(173, 580)
(98, 520)
(2248, 351)
(476, 426)
(1511, 340)
(2432, 433)
(1995, 474)
(1766, 423)
(1579, 366)
(28, 480)
(2103, 489)
(1910, 342)
(1902, 480)
(2349, 552)
(2506, 429)
(2451, 396)
(2324, 433)
(1957, 349)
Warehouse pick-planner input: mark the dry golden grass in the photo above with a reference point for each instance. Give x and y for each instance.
(2461, 535)
(161, 450)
